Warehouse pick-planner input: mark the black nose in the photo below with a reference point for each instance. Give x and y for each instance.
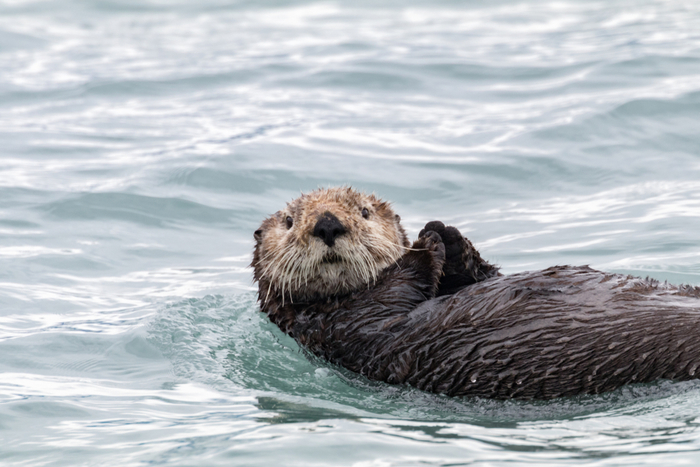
(327, 228)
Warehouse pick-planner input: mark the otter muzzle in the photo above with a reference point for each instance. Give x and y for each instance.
(328, 228)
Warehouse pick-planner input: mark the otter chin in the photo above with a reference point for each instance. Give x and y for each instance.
(336, 271)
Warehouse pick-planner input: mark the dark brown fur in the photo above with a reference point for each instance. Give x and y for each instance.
(535, 335)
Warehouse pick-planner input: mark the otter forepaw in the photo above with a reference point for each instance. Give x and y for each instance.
(426, 258)
(451, 235)
(463, 264)
(431, 241)
(455, 245)
(432, 226)
(456, 251)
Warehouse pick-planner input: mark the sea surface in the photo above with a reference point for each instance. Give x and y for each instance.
(143, 141)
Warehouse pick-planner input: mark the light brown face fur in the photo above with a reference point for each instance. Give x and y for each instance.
(294, 263)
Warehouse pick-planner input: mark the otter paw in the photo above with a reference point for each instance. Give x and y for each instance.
(426, 259)
(456, 249)
(451, 235)
(430, 241)
(432, 226)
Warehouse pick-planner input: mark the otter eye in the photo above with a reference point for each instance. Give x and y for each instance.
(290, 222)
(365, 213)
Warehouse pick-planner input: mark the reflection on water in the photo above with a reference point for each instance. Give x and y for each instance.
(144, 142)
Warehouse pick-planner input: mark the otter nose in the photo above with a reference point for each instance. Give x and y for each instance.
(327, 228)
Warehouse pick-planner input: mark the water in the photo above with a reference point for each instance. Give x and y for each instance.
(141, 144)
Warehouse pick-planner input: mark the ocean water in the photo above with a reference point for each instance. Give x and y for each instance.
(142, 142)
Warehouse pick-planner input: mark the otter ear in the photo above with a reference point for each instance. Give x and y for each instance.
(397, 218)
(258, 235)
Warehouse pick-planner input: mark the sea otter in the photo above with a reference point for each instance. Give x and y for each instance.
(335, 271)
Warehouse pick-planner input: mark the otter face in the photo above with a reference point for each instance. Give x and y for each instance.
(327, 242)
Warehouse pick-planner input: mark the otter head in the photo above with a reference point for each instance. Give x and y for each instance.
(328, 242)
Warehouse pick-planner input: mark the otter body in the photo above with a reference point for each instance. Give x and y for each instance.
(439, 318)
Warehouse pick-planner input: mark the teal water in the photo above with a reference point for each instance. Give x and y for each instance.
(141, 144)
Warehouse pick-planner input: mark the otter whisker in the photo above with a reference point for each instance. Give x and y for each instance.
(268, 292)
(407, 248)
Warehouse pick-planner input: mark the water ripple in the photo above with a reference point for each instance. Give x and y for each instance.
(143, 143)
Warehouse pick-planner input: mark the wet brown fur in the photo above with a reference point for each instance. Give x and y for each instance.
(438, 317)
